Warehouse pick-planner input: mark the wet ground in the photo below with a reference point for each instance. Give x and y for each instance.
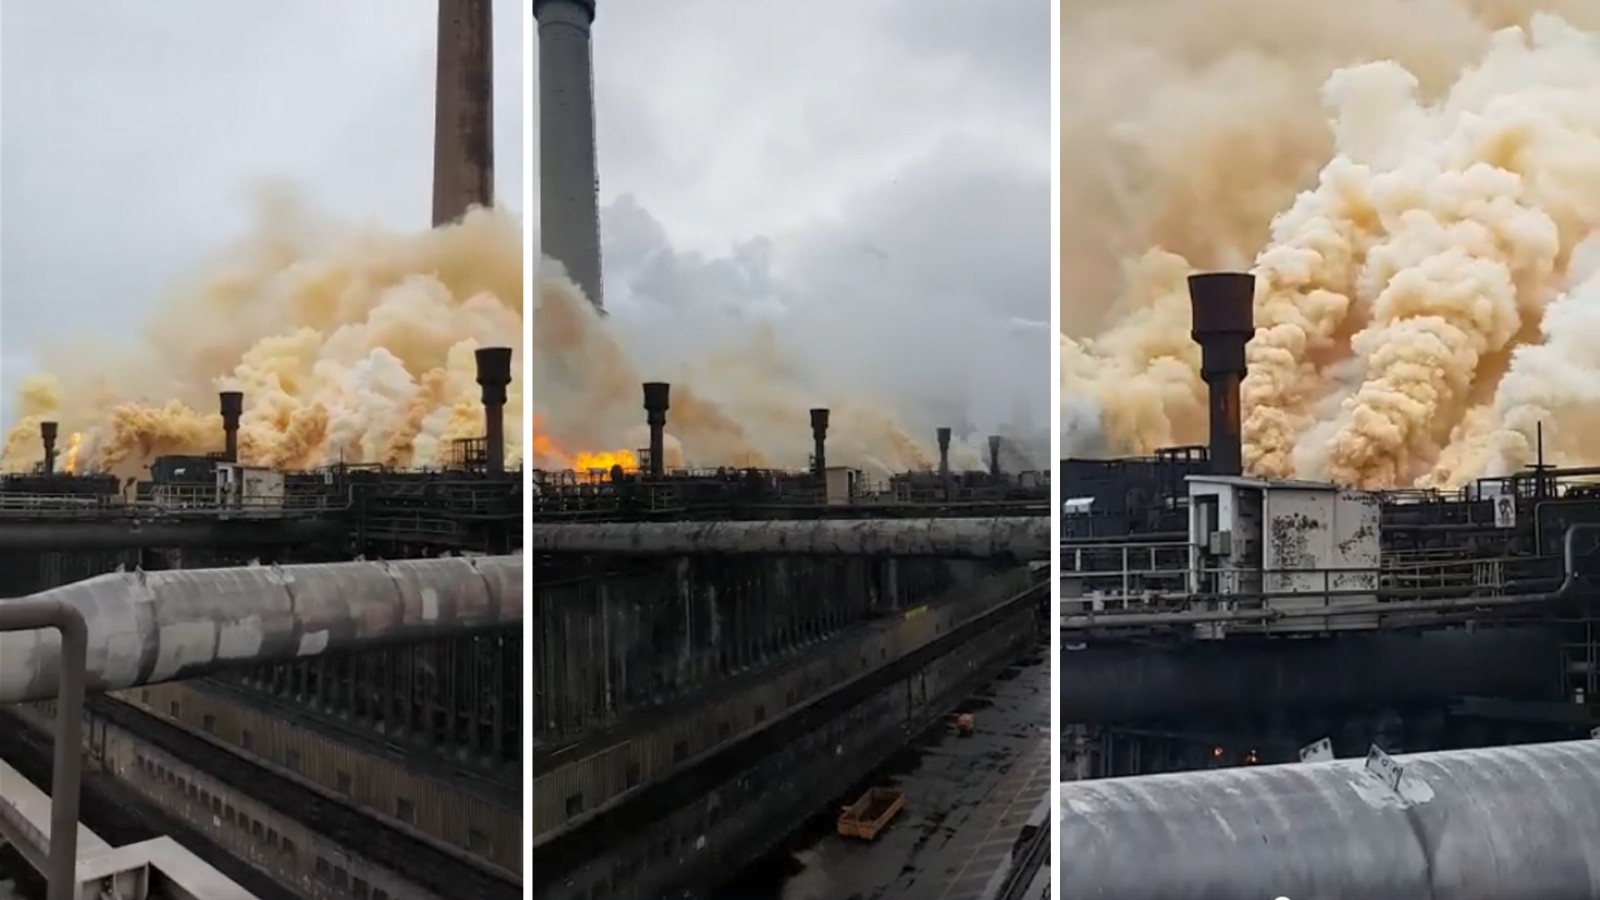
(967, 798)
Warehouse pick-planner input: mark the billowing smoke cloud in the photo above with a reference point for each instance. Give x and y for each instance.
(348, 343)
(755, 336)
(1397, 287)
(743, 406)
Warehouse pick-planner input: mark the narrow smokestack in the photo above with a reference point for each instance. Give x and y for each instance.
(819, 435)
(655, 414)
(1224, 322)
(463, 110)
(994, 456)
(943, 436)
(569, 217)
(232, 405)
(494, 376)
(47, 433)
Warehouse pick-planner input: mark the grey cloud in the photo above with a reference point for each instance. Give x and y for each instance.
(867, 184)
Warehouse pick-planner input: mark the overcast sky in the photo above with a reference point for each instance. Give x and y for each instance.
(134, 132)
(872, 174)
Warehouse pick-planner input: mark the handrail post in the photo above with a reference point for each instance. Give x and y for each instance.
(67, 773)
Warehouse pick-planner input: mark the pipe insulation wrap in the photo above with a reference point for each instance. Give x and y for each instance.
(150, 627)
(1507, 823)
(1025, 538)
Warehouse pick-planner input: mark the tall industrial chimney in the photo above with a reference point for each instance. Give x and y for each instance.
(494, 376)
(232, 404)
(994, 456)
(655, 414)
(569, 209)
(943, 436)
(47, 433)
(819, 436)
(1224, 322)
(463, 110)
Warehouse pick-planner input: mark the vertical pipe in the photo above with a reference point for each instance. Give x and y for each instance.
(943, 437)
(655, 414)
(67, 772)
(232, 404)
(569, 210)
(463, 109)
(1224, 322)
(47, 434)
(494, 376)
(994, 456)
(819, 438)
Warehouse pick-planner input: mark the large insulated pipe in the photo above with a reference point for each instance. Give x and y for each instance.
(494, 377)
(232, 405)
(819, 440)
(150, 627)
(1508, 823)
(1134, 682)
(463, 110)
(47, 434)
(994, 456)
(569, 217)
(656, 395)
(1224, 322)
(1024, 538)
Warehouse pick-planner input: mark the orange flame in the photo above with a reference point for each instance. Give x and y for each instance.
(69, 462)
(549, 454)
(586, 461)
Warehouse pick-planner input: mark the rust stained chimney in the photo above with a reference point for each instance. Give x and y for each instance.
(819, 436)
(994, 456)
(463, 103)
(47, 433)
(1224, 322)
(494, 376)
(656, 394)
(232, 404)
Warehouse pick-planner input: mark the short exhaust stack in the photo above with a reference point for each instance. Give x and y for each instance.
(1224, 322)
(819, 437)
(656, 396)
(232, 406)
(494, 377)
(47, 433)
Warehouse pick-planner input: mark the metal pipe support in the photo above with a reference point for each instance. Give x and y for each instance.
(21, 618)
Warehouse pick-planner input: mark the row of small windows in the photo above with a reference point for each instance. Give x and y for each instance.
(326, 871)
(477, 841)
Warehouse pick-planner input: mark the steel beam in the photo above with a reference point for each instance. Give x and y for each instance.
(150, 627)
(1024, 538)
(1132, 682)
(1509, 823)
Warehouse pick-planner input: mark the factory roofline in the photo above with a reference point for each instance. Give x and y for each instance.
(1241, 481)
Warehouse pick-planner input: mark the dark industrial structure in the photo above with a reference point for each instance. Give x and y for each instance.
(1211, 620)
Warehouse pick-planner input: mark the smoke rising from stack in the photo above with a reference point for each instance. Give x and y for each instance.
(745, 406)
(1406, 295)
(348, 343)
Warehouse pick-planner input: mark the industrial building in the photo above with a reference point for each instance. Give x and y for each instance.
(1374, 642)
